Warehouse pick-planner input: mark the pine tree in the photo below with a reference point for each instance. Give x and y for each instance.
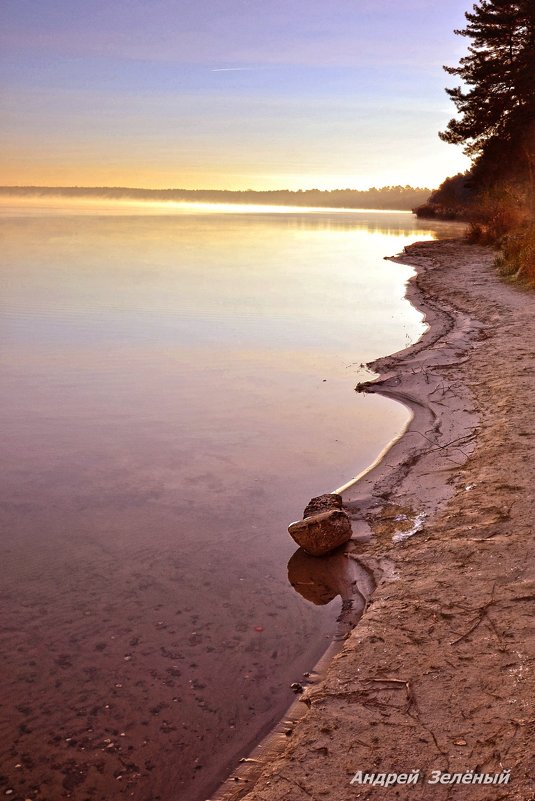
(496, 103)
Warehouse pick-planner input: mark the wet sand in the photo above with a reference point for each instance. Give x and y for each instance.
(439, 675)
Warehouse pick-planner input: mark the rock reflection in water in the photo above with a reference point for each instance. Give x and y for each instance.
(321, 580)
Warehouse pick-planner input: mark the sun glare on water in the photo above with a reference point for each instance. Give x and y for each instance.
(36, 205)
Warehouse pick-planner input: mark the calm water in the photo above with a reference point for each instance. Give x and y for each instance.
(174, 388)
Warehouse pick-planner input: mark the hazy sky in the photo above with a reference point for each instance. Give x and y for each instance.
(227, 93)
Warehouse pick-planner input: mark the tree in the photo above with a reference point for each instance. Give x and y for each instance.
(496, 103)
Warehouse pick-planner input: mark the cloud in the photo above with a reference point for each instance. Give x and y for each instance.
(233, 69)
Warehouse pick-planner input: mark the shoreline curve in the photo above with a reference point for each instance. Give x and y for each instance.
(360, 492)
(438, 678)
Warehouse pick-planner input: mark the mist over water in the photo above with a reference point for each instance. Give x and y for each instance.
(174, 388)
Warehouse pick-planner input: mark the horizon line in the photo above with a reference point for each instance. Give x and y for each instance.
(236, 191)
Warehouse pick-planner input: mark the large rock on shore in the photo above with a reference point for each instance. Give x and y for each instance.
(321, 533)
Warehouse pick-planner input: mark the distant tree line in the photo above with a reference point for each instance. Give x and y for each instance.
(386, 197)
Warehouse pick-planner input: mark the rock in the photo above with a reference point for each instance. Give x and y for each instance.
(321, 533)
(323, 503)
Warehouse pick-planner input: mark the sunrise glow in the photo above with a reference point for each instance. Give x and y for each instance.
(227, 95)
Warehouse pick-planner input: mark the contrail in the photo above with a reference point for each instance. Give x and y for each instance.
(232, 69)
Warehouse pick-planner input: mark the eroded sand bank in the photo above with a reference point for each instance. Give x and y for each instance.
(439, 673)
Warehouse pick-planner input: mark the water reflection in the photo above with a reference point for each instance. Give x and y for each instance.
(387, 222)
(320, 580)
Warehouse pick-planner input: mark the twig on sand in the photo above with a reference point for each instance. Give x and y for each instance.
(296, 784)
(400, 685)
(413, 705)
(482, 613)
(438, 447)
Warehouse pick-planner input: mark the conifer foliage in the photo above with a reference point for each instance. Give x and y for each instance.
(496, 102)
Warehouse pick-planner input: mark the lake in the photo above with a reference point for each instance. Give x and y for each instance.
(176, 383)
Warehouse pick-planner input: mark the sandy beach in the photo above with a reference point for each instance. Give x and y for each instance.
(438, 676)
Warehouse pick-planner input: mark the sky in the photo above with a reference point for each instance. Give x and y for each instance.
(227, 94)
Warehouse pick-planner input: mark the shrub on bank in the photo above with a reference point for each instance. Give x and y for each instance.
(505, 220)
(517, 257)
(451, 201)
(434, 211)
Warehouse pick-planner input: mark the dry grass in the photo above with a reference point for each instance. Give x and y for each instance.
(505, 220)
(517, 258)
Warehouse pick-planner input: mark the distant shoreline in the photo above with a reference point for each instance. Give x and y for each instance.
(389, 198)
